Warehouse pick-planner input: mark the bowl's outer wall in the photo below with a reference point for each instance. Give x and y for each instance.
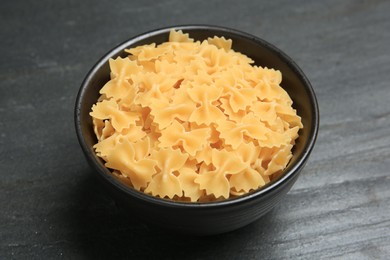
(201, 220)
(198, 219)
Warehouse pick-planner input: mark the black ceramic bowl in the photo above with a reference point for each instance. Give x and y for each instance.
(211, 217)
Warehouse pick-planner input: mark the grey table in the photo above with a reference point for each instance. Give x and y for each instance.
(51, 205)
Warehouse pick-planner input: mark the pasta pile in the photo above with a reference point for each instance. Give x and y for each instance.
(193, 121)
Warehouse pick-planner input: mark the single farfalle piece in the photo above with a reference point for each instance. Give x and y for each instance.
(121, 71)
(190, 188)
(152, 53)
(221, 42)
(195, 67)
(152, 96)
(184, 54)
(271, 75)
(145, 81)
(137, 50)
(278, 139)
(109, 109)
(123, 158)
(107, 130)
(206, 113)
(147, 53)
(249, 178)
(168, 68)
(127, 100)
(268, 85)
(191, 141)
(133, 134)
(228, 110)
(165, 113)
(289, 115)
(265, 111)
(104, 147)
(216, 59)
(216, 182)
(143, 148)
(292, 134)
(203, 155)
(98, 126)
(166, 183)
(179, 36)
(239, 95)
(234, 133)
(280, 160)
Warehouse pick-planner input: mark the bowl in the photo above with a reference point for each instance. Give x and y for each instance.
(206, 218)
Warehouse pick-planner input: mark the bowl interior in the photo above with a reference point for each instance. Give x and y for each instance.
(263, 53)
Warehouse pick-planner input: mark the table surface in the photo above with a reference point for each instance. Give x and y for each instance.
(51, 205)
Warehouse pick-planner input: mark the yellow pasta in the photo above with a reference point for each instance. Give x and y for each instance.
(194, 120)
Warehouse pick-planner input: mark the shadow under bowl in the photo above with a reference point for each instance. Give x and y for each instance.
(211, 217)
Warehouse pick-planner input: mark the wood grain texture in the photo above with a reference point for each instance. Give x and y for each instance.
(52, 206)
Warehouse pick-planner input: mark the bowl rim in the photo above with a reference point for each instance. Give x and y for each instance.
(245, 198)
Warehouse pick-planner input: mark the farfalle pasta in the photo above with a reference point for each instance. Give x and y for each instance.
(193, 120)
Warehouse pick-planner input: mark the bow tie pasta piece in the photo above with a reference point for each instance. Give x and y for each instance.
(234, 133)
(137, 50)
(267, 92)
(220, 42)
(191, 141)
(228, 110)
(165, 113)
(215, 58)
(145, 82)
(279, 160)
(108, 109)
(170, 69)
(249, 178)
(206, 113)
(202, 78)
(216, 182)
(193, 120)
(265, 111)
(179, 36)
(123, 68)
(276, 139)
(166, 183)
(150, 97)
(122, 158)
(183, 56)
(133, 133)
(121, 71)
(190, 188)
(204, 155)
(239, 98)
(107, 130)
(97, 127)
(289, 115)
(248, 152)
(292, 134)
(127, 100)
(142, 149)
(149, 52)
(104, 147)
(194, 68)
(268, 85)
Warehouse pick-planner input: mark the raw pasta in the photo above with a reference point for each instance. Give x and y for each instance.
(194, 120)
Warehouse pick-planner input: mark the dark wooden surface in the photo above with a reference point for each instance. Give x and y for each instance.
(51, 206)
